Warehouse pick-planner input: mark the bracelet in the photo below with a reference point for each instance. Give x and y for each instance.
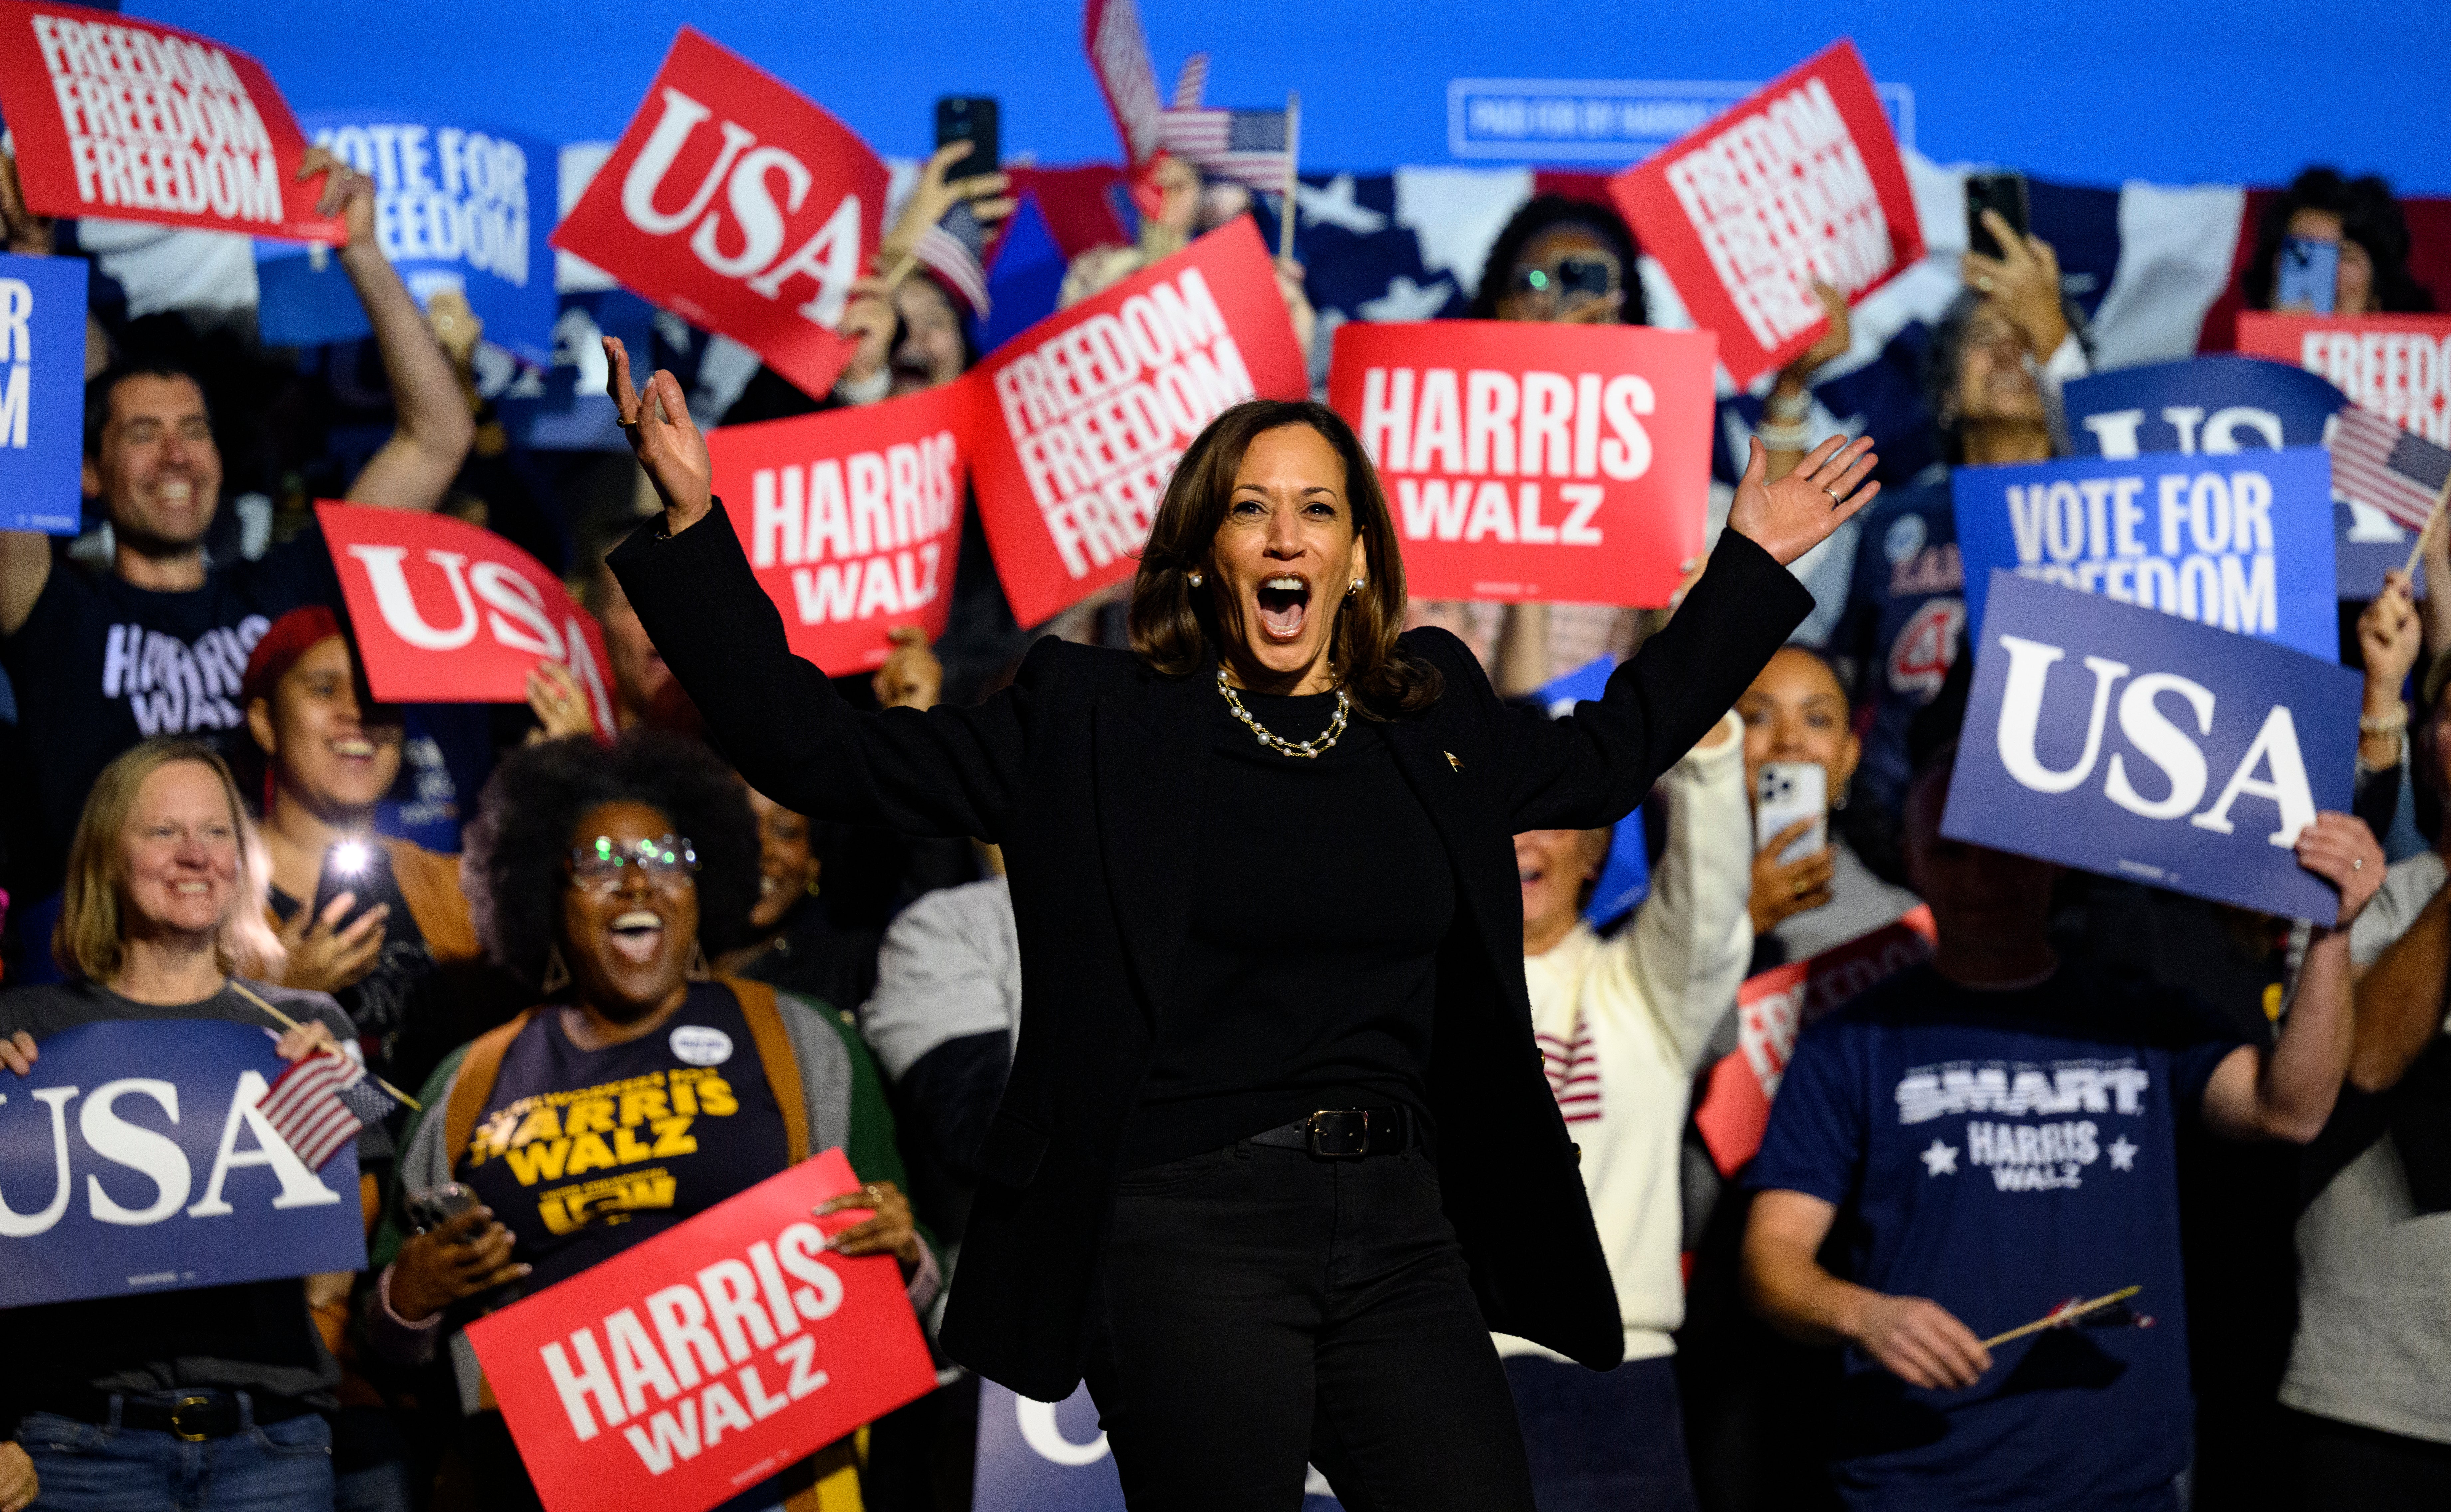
(1793, 436)
(1787, 407)
(2391, 723)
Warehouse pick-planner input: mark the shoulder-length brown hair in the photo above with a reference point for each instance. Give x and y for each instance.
(89, 941)
(1174, 626)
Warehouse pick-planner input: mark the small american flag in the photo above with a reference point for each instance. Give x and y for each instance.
(955, 250)
(320, 1103)
(2397, 471)
(1248, 146)
(1191, 84)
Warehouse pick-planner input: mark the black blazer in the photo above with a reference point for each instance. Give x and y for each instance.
(1088, 771)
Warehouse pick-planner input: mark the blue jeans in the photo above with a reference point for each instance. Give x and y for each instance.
(285, 1466)
(1602, 1440)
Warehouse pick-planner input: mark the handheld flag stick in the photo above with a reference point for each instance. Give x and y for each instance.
(2060, 1315)
(1293, 178)
(2416, 548)
(286, 1022)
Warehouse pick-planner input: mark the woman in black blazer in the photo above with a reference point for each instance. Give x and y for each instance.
(1277, 1151)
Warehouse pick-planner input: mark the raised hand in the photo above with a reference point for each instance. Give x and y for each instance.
(664, 439)
(1795, 514)
(934, 194)
(912, 677)
(2024, 282)
(323, 957)
(2340, 849)
(347, 193)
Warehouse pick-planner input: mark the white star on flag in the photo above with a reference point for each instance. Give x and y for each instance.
(1940, 1160)
(2123, 1154)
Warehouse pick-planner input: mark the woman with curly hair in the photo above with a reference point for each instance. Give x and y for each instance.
(604, 876)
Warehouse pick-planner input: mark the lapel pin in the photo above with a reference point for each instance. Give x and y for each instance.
(1453, 760)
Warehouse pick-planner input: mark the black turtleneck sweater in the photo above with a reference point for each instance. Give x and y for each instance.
(1321, 895)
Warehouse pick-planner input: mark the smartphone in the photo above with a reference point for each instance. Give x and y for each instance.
(1784, 793)
(430, 1207)
(2002, 191)
(970, 118)
(2307, 276)
(349, 866)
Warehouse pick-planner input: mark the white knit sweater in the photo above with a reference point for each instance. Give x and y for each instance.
(1623, 1023)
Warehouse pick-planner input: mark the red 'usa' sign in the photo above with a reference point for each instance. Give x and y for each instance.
(1775, 1005)
(854, 519)
(1082, 417)
(2397, 366)
(678, 1374)
(1535, 461)
(138, 121)
(447, 612)
(735, 201)
(1801, 182)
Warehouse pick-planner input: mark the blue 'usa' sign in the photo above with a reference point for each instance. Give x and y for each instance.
(133, 1159)
(2143, 746)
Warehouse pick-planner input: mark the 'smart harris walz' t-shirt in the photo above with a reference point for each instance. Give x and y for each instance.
(2002, 1154)
(583, 1153)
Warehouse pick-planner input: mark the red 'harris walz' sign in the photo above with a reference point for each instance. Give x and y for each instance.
(137, 121)
(446, 612)
(854, 519)
(1081, 417)
(737, 202)
(713, 1356)
(1535, 461)
(1800, 182)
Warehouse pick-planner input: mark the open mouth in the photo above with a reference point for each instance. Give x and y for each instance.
(638, 936)
(1284, 606)
(191, 887)
(351, 748)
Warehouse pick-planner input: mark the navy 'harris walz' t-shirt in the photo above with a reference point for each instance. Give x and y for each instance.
(2003, 1152)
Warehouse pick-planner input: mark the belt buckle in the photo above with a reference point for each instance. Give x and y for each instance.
(178, 1428)
(1338, 1133)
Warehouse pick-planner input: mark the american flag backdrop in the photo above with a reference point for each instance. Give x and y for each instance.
(1248, 146)
(2397, 471)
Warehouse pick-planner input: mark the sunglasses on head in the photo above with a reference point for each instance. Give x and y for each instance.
(1572, 278)
(601, 865)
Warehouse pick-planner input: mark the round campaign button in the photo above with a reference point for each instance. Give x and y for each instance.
(698, 1044)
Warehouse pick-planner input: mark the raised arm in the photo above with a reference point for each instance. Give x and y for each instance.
(1688, 945)
(946, 770)
(1591, 769)
(2288, 1092)
(413, 469)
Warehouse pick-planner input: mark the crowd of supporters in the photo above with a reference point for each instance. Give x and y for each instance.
(537, 909)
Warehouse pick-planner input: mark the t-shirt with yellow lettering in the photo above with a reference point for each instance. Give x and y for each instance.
(583, 1153)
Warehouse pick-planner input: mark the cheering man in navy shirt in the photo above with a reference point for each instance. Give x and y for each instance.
(1996, 1129)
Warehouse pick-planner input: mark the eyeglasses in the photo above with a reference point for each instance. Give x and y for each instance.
(1573, 282)
(604, 864)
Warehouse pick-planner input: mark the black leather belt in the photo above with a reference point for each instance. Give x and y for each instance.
(190, 1415)
(1346, 1133)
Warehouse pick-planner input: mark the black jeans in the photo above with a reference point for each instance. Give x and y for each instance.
(1259, 1307)
(2343, 1465)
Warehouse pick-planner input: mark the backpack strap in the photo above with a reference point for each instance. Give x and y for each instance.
(764, 1012)
(475, 1084)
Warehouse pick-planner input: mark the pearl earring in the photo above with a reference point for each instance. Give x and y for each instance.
(1196, 580)
(1354, 587)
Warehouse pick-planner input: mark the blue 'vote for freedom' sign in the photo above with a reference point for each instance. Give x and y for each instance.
(2243, 542)
(2219, 406)
(42, 393)
(2148, 748)
(133, 1159)
(459, 206)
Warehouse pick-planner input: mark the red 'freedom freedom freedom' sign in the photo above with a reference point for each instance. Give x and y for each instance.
(1082, 418)
(1800, 182)
(678, 1374)
(735, 201)
(137, 121)
(854, 519)
(447, 612)
(1535, 461)
(2397, 366)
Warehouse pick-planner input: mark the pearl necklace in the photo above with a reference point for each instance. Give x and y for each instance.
(1317, 746)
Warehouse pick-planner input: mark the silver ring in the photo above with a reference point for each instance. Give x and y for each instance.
(2357, 863)
(1984, 283)
(1834, 500)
